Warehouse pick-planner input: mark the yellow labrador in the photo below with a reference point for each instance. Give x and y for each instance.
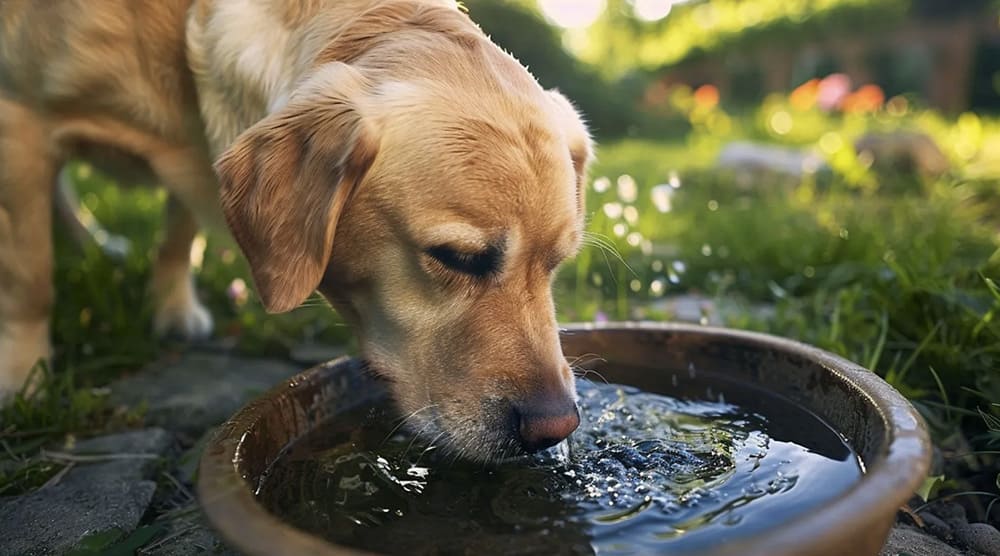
(384, 152)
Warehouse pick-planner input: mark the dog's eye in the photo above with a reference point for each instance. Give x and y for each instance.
(479, 264)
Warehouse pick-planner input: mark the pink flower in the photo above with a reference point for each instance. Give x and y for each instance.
(832, 90)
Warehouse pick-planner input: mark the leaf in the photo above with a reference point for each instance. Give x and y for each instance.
(924, 491)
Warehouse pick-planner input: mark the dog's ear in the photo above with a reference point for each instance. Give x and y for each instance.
(581, 146)
(286, 180)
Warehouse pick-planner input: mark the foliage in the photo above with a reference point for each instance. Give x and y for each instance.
(522, 32)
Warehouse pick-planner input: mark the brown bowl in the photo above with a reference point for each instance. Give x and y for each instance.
(879, 424)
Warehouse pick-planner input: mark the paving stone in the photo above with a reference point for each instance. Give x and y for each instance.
(188, 534)
(92, 497)
(981, 537)
(910, 541)
(198, 390)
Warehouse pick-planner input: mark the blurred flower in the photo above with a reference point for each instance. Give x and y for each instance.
(804, 96)
(868, 98)
(631, 215)
(832, 90)
(600, 316)
(627, 189)
(661, 195)
(897, 106)
(706, 97)
(238, 292)
(781, 122)
(613, 210)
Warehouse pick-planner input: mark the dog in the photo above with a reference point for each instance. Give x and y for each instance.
(383, 152)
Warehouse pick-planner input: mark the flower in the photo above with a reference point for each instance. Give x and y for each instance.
(868, 98)
(832, 90)
(804, 96)
(706, 97)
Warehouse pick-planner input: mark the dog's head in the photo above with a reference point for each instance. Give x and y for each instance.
(434, 220)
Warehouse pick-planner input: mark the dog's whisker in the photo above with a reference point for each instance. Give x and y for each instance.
(584, 373)
(403, 421)
(416, 437)
(430, 446)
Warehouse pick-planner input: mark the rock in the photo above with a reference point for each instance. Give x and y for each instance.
(981, 537)
(936, 526)
(952, 513)
(756, 158)
(199, 390)
(903, 152)
(88, 500)
(187, 534)
(910, 541)
(145, 441)
(93, 497)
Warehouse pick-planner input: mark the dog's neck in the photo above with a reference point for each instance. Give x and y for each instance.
(249, 57)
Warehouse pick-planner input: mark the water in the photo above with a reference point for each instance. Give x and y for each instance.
(644, 473)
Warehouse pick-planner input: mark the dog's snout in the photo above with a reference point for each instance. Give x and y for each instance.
(545, 421)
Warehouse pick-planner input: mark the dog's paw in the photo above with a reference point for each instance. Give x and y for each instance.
(188, 321)
(22, 347)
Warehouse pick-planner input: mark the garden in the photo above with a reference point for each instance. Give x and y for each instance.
(769, 213)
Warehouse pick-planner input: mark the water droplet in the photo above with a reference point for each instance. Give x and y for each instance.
(634, 239)
(602, 184)
(706, 250)
(657, 266)
(713, 205)
(620, 229)
(635, 285)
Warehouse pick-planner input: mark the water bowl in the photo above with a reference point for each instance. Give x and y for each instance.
(703, 441)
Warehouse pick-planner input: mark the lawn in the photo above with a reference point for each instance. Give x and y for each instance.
(894, 270)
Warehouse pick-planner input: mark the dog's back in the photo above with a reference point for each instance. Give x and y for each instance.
(123, 60)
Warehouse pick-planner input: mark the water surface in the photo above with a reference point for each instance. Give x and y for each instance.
(644, 473)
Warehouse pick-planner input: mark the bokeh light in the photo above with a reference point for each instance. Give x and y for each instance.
(572, 14)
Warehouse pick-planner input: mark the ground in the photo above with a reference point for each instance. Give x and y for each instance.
(888, 267)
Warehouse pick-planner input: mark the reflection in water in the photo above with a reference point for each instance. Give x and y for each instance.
(644, 473)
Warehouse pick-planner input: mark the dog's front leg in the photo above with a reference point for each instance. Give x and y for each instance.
(27, 176)
(178, 312)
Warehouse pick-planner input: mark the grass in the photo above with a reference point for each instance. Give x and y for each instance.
(896, 271)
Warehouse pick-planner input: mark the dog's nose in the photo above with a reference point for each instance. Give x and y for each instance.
(546, 421)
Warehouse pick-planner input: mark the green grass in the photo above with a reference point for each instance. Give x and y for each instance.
(896, 272)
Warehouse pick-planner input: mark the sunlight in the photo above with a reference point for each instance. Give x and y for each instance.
(572, 14)
(652, 10)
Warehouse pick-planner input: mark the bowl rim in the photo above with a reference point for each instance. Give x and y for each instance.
(886, 485)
